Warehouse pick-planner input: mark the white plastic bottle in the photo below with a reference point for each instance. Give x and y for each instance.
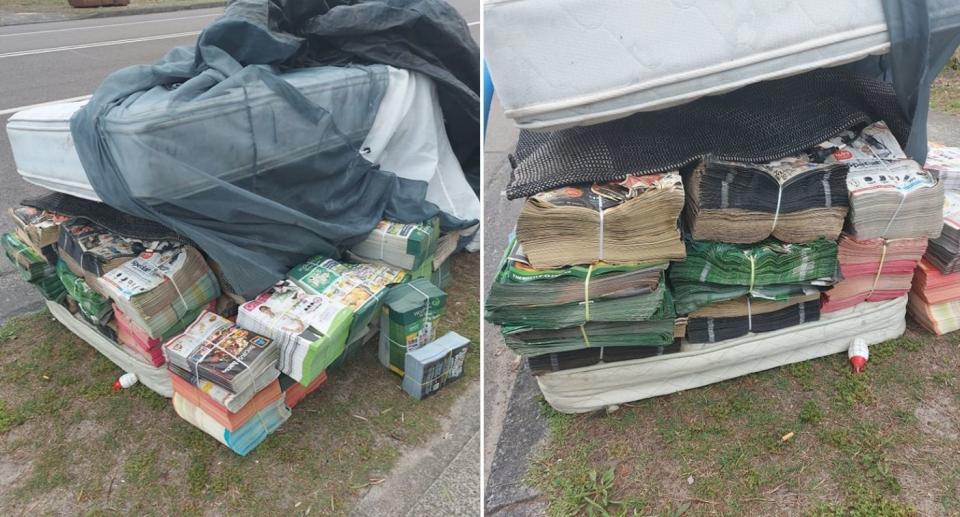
(125, 381)
(858, 353)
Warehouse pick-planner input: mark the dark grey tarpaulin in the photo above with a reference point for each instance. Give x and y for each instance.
(923, 36)
(279, 175)
(762, 121)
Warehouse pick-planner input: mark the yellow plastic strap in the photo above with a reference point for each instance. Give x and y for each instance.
(586, 295)
(876, 279)
(753, 272)
(586, 340)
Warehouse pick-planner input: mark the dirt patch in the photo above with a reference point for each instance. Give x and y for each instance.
(11, 471)
(939, 416)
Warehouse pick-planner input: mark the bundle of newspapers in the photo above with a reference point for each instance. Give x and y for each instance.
(944, 251)
(360, 287)
(90, 250)
(547, 314)
(522, 294)
(225, 381)
(771, 270)
(409, 320)
(945, 162)
(873, 270)
(161, 287)
(434, 365)
(32, 267)
(891, 196)
(216, 350)
(935, 299)
(404, 246)
(624, 222)
(38, 229)
(91, 304)
(792, 199)
(310, 330)
(728, 290)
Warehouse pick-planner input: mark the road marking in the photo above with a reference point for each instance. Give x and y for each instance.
(21, 108)
(109, 25)
(98, 44)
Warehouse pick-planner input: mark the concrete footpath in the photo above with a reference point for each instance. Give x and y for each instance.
(440, 478)
(515, 429)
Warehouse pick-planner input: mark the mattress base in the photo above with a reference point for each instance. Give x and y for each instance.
(562, 65)
(596, 387)
(155, 378)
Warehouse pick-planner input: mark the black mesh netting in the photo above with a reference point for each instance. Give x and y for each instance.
(757, 123)
(105, 216)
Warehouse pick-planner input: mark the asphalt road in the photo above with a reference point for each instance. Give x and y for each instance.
(47, 62)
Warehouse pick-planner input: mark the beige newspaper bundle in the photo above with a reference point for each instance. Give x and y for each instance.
(624, 222)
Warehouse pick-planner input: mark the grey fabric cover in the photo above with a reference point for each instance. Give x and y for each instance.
(295, 202)
(923, 36)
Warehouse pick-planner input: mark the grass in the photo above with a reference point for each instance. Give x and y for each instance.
(945, 91)
(883, 443)
(69, 445)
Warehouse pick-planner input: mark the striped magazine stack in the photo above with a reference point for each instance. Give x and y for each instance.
(583, 281)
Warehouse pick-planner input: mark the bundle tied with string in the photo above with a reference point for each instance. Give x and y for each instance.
(161, 287)
(770, 270)
(406, 246)
(641, 320)
(434, 365)
(630, 221)
(734, 202)
(873, 270)
(214, 349)
(361, 287)
(311, 330)
(408, 321)
(32, 267)
(231, 420)
(244, 438)
(593, 342)
(891, 197)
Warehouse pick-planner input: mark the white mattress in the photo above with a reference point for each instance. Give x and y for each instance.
(407, 138)
(563, 63)
(595, 387)
(155, 378)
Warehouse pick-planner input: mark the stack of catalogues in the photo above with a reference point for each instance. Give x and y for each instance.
(624, 222)
(311, 330)
(873, 270)
(791, 199)
(935, 299)
(159, 289)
